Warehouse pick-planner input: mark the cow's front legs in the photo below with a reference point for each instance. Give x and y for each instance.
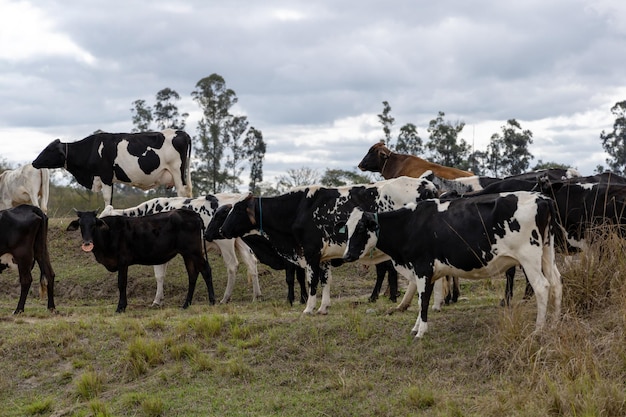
(122, 281)
(424, 291)
(325, 280)
(311, 302)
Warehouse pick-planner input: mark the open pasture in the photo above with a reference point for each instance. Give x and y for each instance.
(266, 358)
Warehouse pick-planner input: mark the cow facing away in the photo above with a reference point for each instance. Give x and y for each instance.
(206, 207)
(118, 242)
(389, 164)
(144, 160)
(24, 241)
(474, 238)
(25, 185)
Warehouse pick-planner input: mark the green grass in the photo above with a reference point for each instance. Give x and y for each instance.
(265, 358)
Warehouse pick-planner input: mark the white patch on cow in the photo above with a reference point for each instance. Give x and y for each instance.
(572, 173)
(442, 206)
(25, 185)
(8, 260)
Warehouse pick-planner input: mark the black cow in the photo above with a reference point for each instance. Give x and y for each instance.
(144, 160)
(24, 241)
(474, 237)
(304, 225)
(264, 252)
(118, 242)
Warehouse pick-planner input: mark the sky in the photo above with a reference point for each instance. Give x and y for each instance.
(312, 76)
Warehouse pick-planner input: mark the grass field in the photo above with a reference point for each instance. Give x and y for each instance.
(267, 359)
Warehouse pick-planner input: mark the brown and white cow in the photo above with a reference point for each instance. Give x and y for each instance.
(144, 160)
(474, 237)
(389, 164)
(25, 185)
(24, 241)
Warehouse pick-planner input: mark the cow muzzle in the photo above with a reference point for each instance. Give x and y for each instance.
(87, 246)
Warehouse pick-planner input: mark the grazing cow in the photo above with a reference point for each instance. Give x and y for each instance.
(392, 165)
(206, 207)
(25, 185)
(144, 160)
(303, 225)
(24, 241)
(119, 241)
(474, 238)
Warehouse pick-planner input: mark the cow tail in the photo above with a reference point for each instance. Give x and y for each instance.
(45, 189)
(43, 257)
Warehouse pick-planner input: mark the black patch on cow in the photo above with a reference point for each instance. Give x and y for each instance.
(149, 161)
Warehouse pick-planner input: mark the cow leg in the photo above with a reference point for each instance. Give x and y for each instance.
(541, 286)
(380, 278)
(248, 258)
(438, 298)
(312, 279)
(159, 275)
(453, 290)
(207, 275)
(508, 289)
(227, 249)
(548, 266)
(301, 277)
(408, 295)
(290, 278)
(326, 279)
(26, 279)
(122, 282)
(424, 293)
(392, 278)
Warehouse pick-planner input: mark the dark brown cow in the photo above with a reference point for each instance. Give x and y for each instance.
(392, 165)
(24, 241)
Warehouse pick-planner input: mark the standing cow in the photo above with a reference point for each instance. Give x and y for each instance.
(144, 160)
(25, 185)
(118, 242)
(24, 241)
(474, 237)
(206, 207)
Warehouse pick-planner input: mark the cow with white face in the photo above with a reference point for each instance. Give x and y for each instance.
(206, 207)
(475, 237)
(25, 185)
(144, 160)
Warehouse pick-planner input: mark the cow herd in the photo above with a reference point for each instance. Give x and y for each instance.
(432, 222)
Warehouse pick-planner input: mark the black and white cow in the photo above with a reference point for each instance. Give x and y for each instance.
(24, 241)
(304, 225)
(25, 185)
(206, 207)
(118, 242)
(144, 160)
(475, 237)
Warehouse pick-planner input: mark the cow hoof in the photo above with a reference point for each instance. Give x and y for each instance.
(392, 310)
(308, 312)
(120, 310)
(16, 312)
(155, 305)
(225, 300)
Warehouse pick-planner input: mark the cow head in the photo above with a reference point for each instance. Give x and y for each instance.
(213, 230)
(241, 219)
(362, 230)
(375, 158)
(53, 156)
(87, 222)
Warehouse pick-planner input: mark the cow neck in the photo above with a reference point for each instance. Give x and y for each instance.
(386, 156)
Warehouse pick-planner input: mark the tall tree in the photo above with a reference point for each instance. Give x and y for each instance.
(297, 178)
(141, 116)
(341, 177)
(409, 141)
(234, 140)
(165, 111)
(510, 149)
(614, 143)
(387, 121)
(444, 144)
(256, 146)
(215, 100)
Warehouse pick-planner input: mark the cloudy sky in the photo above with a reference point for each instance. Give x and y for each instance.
(312, 76)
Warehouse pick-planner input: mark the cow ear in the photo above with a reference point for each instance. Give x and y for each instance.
(72, 226)
(101, 224)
